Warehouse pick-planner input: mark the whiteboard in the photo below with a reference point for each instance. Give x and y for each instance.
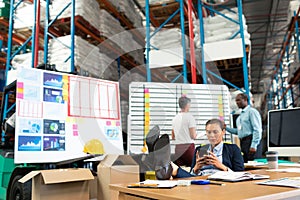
(153, 104)
(58, 114)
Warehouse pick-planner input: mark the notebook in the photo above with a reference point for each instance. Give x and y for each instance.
(236, 176)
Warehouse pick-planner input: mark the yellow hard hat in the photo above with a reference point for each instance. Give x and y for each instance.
(94, 146)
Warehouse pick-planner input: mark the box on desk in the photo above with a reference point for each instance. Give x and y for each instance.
(59, 184)
(114, 169)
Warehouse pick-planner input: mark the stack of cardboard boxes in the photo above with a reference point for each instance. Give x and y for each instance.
(80, 183)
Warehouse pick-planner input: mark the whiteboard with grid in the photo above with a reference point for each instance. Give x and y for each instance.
(207, 101)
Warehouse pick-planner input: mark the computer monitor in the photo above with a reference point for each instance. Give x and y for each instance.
(284, 131)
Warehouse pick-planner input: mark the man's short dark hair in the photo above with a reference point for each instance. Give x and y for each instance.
(183, 101)
(243, 96)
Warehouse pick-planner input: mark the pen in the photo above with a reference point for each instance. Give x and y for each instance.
(206, 182)
(142, 185)
(216, 183)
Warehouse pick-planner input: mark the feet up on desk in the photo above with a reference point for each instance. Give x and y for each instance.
(162, 158)
(152, 137)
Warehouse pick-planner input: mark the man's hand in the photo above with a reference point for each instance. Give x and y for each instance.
(252, 150)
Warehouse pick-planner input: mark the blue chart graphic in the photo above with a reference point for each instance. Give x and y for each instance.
(53, 80)
(30, 125)
(54, 126)
(53, 95)
(112, 133)
(29, 143)
(32, 93)
(54, 143)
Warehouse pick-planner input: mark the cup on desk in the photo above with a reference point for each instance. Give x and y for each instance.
(272, 158)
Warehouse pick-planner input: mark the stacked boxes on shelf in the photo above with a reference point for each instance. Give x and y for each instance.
(89, 9)
(87, 56)
(126, 40)
(109, 26)
(217, 28)
(24, 17)
(127, 8)
(168, 50)
(168, 38)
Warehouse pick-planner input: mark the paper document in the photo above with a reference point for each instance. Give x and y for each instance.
(154, 184)
(253, 163)
(236, 176)
(297, 170)
(285, 182)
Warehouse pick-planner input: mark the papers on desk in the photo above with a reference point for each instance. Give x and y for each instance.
(289, 164)
(254, 164)
(297, 170)
(285, 182)
(236, 176)
(154, 184)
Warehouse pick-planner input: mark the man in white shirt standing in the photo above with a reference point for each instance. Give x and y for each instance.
(184, 133)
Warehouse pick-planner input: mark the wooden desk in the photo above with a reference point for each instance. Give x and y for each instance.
(239, 190)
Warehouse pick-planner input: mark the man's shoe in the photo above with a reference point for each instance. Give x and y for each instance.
(162, 158)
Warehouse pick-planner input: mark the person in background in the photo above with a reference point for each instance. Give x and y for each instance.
(184, 133)
(249, 129)
(219, 157)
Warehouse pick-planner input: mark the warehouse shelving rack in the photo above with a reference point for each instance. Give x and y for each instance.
(175, 13)
(240, 32)
(185, 11)
(286, 94)
(72, 26)
(10, 54)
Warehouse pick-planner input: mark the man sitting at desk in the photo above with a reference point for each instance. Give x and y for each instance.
(219, 156)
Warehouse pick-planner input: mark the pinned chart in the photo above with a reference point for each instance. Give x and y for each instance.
(61, 116)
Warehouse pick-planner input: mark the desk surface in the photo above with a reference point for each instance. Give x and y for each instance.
(238, 190)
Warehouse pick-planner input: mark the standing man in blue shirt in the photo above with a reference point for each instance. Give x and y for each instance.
(249, 129)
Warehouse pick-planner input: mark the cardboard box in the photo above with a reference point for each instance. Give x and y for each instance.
(59, 184)
(93, 187)
(114, 169)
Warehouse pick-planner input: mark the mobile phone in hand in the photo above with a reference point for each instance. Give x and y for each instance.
(202, 152)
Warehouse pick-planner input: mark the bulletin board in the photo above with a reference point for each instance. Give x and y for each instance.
(153, 104)
(62, 116)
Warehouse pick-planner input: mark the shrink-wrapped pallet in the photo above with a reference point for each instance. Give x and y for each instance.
(217, 28)
(108, 25)
(168, 38)
(88, 9)
(24, 16)
(87, 56)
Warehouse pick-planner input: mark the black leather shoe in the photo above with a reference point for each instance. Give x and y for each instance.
(152, 137)
(162, 158)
